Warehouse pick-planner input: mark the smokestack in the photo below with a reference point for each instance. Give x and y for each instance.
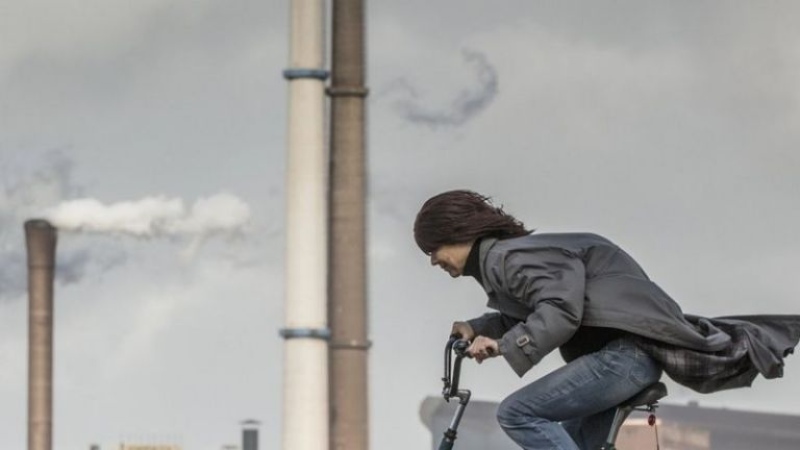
(250, 434)
(305, 370)
(40, 238)
(347, 269)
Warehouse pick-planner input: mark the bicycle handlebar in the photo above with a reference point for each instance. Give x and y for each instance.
(452, 369)
(452, 373)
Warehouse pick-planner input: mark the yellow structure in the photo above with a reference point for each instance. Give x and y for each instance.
(149, 447)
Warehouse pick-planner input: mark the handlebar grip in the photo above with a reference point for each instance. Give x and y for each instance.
(446, 444)
(460, 347)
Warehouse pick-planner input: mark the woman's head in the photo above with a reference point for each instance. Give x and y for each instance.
(461, 216)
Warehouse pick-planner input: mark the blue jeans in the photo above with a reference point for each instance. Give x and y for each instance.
(573, 406)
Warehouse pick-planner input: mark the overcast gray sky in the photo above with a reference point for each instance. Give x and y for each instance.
(671, 127)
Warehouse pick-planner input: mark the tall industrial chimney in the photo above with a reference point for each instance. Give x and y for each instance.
(40, 238)
(250, 434)
(347, 272)
(305, 371)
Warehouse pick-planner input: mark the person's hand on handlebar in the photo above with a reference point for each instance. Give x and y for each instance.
(463, 330)
(483, 348)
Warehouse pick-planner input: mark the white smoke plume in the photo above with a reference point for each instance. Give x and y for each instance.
(31, 182)
(153, 216)
(28, 182)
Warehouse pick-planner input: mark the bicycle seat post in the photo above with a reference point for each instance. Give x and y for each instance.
(646, 400)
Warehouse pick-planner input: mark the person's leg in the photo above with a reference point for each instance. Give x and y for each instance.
(590, 432)
(585, 387)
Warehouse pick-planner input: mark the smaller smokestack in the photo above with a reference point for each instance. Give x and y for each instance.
(250, 434)
(40, 239)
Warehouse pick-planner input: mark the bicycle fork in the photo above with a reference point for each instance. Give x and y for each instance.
(450, 434)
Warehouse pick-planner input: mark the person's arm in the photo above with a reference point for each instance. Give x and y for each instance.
(492, 325)
(552, 284)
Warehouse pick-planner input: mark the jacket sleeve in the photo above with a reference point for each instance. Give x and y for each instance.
(551, 284)
(492, 325)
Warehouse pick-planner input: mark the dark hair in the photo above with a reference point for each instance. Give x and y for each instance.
(459, 216)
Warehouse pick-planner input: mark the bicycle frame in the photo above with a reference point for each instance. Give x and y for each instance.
(646, 400)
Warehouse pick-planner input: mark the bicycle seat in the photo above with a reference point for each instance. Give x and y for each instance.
(647, 396)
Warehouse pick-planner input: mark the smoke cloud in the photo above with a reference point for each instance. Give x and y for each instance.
(467, 104)
(28, 182)
(153, 216)
(31, 182)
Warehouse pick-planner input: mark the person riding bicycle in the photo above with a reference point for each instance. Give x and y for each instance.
(582, 294)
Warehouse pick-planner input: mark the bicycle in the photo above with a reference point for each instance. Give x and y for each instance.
(646, 400)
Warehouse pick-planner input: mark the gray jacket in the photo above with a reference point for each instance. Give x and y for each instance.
(544, 286)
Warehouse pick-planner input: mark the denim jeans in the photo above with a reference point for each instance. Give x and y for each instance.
(573, 406)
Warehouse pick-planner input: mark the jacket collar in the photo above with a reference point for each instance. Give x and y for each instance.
(483, 251)
(472, 267)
